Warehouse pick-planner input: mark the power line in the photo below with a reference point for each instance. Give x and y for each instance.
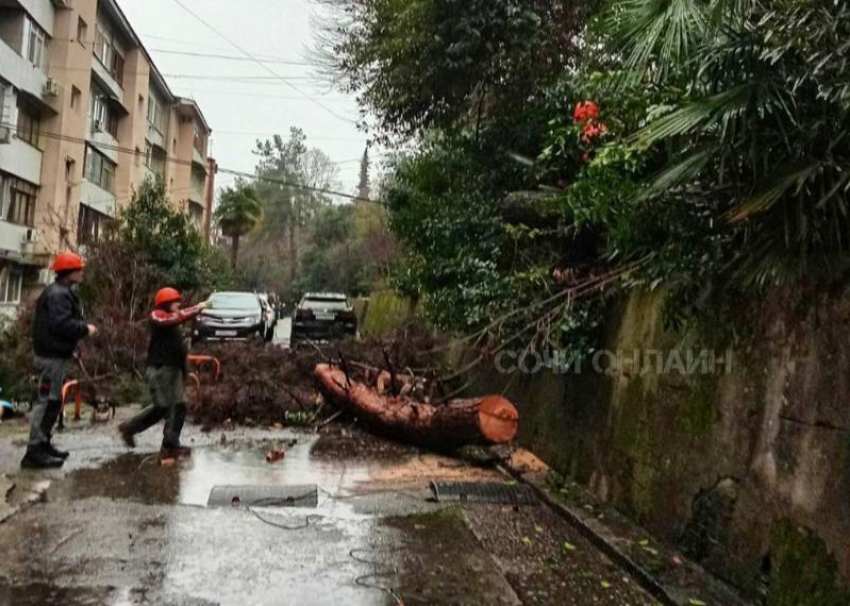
(171, 160)
(230, 57)
(319, 190)
(251, 79)
(258, 62)
(272, 134)
(231, 93)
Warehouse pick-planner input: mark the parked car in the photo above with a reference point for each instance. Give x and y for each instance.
(323, 316)
(233, 316)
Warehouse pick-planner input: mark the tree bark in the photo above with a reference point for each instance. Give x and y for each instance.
(234, 251)
(488, 420)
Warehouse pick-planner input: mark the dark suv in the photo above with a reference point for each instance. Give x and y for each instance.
(323, 316)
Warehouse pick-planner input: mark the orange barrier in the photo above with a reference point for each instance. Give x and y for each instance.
(201, 361)
(72, 387)
(194, 378)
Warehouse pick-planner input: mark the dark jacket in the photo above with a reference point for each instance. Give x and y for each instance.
(167, 345)
(59, 322)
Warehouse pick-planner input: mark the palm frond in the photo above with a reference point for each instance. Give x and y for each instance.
(677, 174)
(699, 114)
(783, 181)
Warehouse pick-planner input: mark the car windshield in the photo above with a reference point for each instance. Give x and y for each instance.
(325, 304)
(234, 300)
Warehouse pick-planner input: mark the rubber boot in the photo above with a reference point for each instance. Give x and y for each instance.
(39, 458)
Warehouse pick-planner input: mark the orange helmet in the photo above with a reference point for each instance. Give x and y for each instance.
(67, 261)
(167, 295)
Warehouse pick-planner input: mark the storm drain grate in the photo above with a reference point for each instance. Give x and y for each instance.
(306, 495)
(493, 493)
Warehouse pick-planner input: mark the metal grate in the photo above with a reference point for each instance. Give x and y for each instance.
(306, 495)
(493, 493)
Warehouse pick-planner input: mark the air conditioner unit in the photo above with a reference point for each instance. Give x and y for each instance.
(51, 88)
(5, 135)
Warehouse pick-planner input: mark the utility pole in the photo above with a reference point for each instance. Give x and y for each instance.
(212, 169)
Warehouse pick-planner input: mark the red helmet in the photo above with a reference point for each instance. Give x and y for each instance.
(67, 261)
(166, 296)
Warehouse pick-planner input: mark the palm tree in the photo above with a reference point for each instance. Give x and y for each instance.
(762, 130)
(239, 211)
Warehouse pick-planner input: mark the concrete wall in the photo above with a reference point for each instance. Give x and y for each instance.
(748, 471)
(744, 464)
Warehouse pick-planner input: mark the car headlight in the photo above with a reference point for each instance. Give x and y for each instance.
(257, 319)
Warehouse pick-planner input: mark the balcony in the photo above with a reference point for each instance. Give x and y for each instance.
(21, 159)
(20, 73)
(107, 80)
(101, 200)
(103, 140)
(17, 242)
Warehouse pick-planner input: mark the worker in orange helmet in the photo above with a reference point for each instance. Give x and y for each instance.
(166, 372)
(58, 326)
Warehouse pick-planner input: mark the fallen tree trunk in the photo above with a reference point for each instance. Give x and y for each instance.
(489, 420)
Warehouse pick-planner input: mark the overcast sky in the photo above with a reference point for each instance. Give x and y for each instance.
(259, 105)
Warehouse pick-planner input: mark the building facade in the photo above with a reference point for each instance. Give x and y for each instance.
(85, 119)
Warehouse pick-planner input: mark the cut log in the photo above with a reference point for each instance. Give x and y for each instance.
(489, 420)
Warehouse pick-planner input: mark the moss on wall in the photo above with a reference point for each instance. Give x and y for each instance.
(652, 442)
(803, 572)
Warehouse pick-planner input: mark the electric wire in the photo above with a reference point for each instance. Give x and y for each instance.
(259, 62)
(220, 169)
(229, 57)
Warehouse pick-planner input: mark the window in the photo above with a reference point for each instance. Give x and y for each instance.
(156, 115)
(5, 103)
(100, 170)
(198, 180)
(37, 42)
(117, 68)
(29, 123)
(11, 281)
(196, 213)
(76, 97)
(89, 225)
(103, 115)
(155, 159)
(200, 141)
(82, 31)
(22, 197)
(107, 54)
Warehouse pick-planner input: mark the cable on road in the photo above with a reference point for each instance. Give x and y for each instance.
(384, 573)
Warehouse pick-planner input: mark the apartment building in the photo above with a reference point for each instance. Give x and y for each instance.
(85, 118)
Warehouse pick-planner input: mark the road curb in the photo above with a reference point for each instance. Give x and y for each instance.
(643, 578)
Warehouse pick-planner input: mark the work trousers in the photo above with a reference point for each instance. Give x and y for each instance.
(169, 404)
(51, 374)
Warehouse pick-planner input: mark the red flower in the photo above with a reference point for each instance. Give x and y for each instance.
(592, 130)
(585, 110)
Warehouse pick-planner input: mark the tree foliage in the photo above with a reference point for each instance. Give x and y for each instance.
(238, 212)
(437, 63)
(150, 245)
(696, 145)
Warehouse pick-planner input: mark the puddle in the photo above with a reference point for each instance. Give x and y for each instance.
(371, 531)
(140, 477)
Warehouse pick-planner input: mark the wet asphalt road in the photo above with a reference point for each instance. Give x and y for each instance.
(116, 528)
